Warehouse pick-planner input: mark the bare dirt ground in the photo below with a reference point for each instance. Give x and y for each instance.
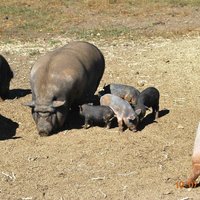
(98, 163)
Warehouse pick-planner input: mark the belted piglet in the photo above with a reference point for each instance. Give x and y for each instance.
(123, 111)
(126, 92)
(149, 97)
(96, 115)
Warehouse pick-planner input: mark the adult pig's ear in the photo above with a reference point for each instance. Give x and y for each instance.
(57, 104)
(29, 104)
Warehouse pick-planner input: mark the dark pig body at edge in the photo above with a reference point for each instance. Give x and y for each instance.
(62, 78)
(6, 74)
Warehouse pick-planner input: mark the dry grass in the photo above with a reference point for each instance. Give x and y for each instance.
(92, 18)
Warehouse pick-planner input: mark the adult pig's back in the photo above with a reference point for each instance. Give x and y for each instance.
(76, 69)
(92, 61)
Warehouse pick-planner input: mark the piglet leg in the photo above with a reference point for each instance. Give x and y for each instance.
(108, 123)
(86, 125)
(156, 111)
(120, 124)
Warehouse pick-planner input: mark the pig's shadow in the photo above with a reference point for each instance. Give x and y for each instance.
(7, 128)
(195, 185)
(18, 93)
(75, 121)
(149, 119)
(198, 184)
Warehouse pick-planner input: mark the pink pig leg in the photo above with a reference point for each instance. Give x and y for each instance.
(120, 124)
(195, 161)
(195, 172)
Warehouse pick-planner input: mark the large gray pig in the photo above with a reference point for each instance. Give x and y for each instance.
(64, 77)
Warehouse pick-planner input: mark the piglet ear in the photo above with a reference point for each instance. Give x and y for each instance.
(57, 104)
(30, 104)
(131, 119)
(138, 111)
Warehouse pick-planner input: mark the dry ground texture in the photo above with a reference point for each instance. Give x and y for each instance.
(145, 43)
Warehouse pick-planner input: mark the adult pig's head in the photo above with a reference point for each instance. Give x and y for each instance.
(48, 118)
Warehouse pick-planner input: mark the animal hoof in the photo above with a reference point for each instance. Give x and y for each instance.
(121, 130)
(86, 126)
(43, 134)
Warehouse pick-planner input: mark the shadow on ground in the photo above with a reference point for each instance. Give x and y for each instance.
(149, 119)
(75, 121)
(7, 128)
(18, 93)
(194, 184)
